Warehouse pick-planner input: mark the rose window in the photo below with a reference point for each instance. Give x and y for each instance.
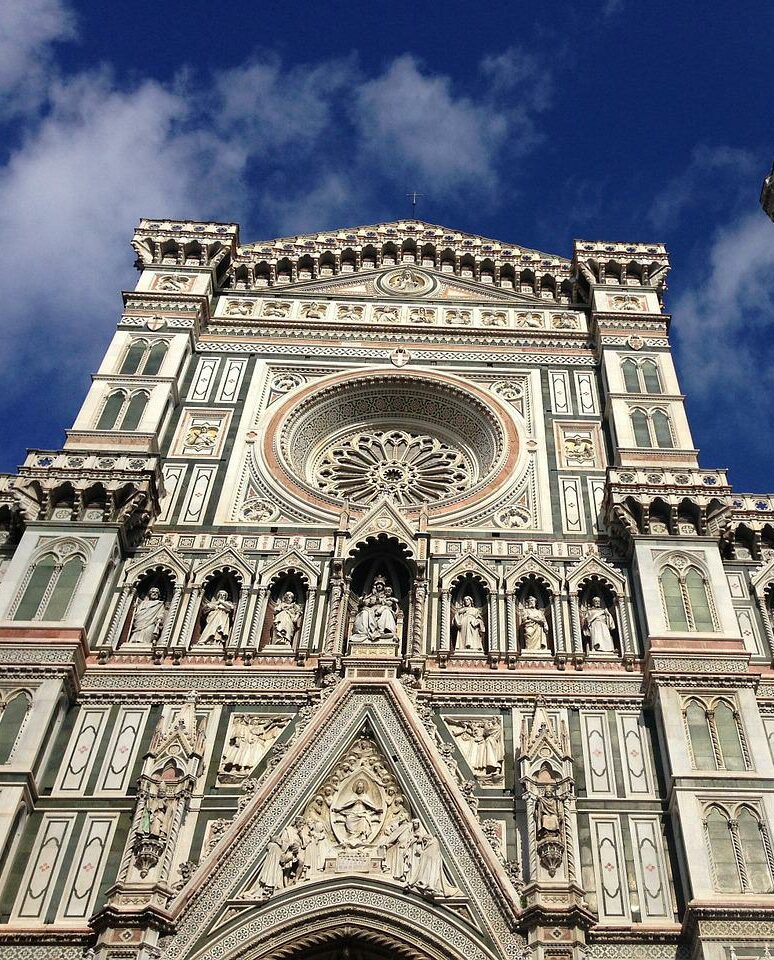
(409, 468)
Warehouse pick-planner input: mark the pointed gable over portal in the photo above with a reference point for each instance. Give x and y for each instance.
(364, 766)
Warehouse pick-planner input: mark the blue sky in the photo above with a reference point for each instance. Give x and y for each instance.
(535, 124)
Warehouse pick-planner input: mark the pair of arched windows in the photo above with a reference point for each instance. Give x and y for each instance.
(686, 597)
(740, 849)
(715, 736)
(50, 588)
(123, 411)
(652, 428)
(641, 376)
(144, 357)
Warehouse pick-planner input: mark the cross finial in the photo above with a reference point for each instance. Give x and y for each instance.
(413, 197)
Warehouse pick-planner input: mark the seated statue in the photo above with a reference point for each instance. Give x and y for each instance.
(377, 615)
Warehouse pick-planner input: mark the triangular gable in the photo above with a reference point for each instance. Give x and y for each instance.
(395, 231)
(469, 563)
(226, 559)
(384, 520)
(491, 906)
(594, 567)
(446, 287)
(292, 560)
(533, 565)
(160, 559)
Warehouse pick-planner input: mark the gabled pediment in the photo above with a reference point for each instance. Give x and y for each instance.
(160, 559)
(469, 563)
(384, 520)
(439, 286)
(595, 567)
(365, 751)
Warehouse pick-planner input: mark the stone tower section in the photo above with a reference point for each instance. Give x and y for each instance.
(377, 606)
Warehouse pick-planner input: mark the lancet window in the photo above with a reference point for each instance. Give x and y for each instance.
(641, 376)
(686, 597)
(715, 736)
(652, 428)
(144, 358)
(123, 411)
(740, 849)
(50, 587)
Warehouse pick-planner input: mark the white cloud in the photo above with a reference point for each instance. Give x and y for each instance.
(724, 327)
(714, 176)
(27, 31)
(303, 148)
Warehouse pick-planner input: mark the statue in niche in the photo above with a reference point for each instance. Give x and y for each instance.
(251, 736)
(217, 625)
(481, 743)
(286, 624)
(469, 624)
(549, 828)
(150, 612)
(533, 626)
(377, 615)
(158, 813)
(359, 813)
(598, 625)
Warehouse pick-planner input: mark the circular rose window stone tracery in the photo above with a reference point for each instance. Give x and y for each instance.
(419, 439)
(410, 468)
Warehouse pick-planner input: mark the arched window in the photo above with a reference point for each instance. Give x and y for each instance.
(722, 852)
(686, 600)
(715, 736)
(144, 358)
(156, 356)
(134, 411)
(756, 860)
(650, 376)
(652, 428)
(111, 410)
(134, 356)
(631, 375)
(740, 850)
(641, 427)
(641, 376)
(700, 737)
(662, 429)
(11, 720)
(50, 588)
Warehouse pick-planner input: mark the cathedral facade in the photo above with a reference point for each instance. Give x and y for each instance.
(377, 607)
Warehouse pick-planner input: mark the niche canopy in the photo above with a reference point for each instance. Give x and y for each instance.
(418, 439)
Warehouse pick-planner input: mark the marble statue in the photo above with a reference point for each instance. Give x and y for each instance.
(481, 742)
(158, 813)
(286, 624)
(533, 626)
(377, 615)
(598, 625)
(150, 612)
(218, 612)
(548, 813)
(469, 624)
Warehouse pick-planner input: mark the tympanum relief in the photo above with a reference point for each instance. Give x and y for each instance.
(359, 822)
